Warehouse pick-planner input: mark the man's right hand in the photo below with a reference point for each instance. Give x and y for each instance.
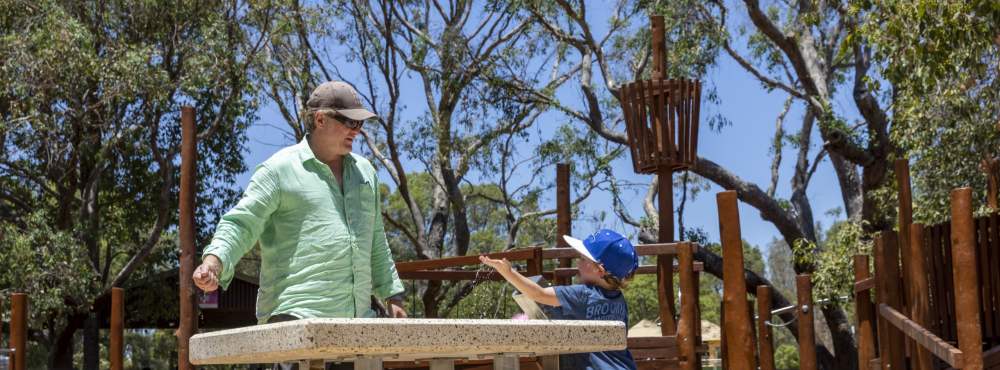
(206, 276)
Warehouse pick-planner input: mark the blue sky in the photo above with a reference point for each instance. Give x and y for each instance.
(743, 147)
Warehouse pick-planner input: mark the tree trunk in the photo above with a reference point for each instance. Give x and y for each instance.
(91, 343)
(61, 357)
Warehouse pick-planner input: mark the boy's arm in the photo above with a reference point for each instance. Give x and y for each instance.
(535, 292)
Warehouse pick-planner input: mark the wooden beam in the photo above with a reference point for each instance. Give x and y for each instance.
(923, 337)
(963, 246)
(865, 312)
(807, 328)
(564, 219)
(19, 329)
(418, 265)
(917, 293)
(641, 249)
(117, 329)
(765, 341)
(189, 156)
(689, 323)
(739, 340)
(665, 276)
(864, 285)
(886, 246)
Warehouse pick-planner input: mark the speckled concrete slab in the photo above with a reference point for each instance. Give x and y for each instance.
(402, 339)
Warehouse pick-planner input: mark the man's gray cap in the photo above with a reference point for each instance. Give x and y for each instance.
(340, 97)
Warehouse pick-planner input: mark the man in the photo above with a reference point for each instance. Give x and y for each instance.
(315, 209)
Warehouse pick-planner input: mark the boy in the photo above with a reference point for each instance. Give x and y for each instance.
(608, 260)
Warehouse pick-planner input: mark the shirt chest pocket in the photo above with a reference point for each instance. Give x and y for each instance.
(361, 199)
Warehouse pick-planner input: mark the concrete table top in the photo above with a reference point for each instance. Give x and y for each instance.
(403, 340)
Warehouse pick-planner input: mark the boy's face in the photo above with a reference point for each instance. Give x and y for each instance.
(591, 272)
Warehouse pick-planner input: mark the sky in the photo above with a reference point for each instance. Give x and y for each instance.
(743, 148)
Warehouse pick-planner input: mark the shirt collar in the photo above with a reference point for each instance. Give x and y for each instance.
(306, 153)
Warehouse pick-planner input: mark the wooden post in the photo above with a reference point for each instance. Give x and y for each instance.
(740, 346)
(917, 294)
(659, 47)
(564, 218)
(117, 328)
(807, 330)
(963, 244)
(665, 263)
(19, 329)
(890, 339)
(535, 263)
(905, 218)
(689, 299)
(188, 321)
(765, 340)
(865, 312)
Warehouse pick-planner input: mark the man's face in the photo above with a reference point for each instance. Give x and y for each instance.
(333, 131)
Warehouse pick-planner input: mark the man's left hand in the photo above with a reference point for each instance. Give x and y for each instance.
(396, 309)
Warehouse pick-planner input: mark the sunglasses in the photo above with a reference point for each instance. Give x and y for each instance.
(349, 123)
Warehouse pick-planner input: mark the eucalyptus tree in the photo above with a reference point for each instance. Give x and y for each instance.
(90, 134)
(810, 50)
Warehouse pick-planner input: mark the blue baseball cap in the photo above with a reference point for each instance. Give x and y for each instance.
(608, 248)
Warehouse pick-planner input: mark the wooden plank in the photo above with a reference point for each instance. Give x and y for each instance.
(905, 218)
(949, 277)
(985, 285)
(739, 341)
(865, 312)
(642, 270)
(19, 329)
(864, 285)
(953, 356)
(651, 342)
(665, 277)
(659, 364)
(890, 271)
(936, 258)
(564, 219)
(807, 328)
(453, 275)
(966, 290)
(460, 261)
(117, 329)
(641, 249)
(689, 300)
(765, 339)
(995, 272)
(917, 293)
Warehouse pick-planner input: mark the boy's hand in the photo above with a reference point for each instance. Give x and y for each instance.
(501, 265)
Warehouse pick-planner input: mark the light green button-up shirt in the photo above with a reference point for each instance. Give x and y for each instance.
(323, 248)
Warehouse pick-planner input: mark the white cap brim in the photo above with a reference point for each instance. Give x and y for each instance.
(577, 245)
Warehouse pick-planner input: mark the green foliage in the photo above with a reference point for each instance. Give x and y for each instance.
(786, 357)
(945, 50)
(47, 263)
(834, 274)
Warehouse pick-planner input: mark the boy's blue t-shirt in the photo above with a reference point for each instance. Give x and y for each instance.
(591, 302)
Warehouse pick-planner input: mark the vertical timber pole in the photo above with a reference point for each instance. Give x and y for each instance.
(865, 312)
(807, 330)
(665, 177)
(188, 324)
(917, 294)
(117, 328)
(19, 329)
(894, 358)
(765, 341)
(905, 218)
(963, 246)
(564, 218)
(739, 339)
(689, 295)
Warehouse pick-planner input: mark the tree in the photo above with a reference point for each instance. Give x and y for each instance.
(89, 122)
(468, 128)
